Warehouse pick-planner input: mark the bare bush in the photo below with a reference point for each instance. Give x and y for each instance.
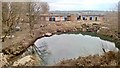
(17, 12)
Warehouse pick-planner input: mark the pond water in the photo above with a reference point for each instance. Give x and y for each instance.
(67, 46)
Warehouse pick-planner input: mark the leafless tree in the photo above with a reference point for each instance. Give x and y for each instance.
(0, 25)
(13, 11)
(35, 9)
(44, 7)
(8, 18)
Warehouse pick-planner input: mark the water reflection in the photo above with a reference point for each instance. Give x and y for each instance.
(67, 46)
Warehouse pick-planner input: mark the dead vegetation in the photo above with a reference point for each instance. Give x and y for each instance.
(108, 59)
(23, 39)
(111, 21)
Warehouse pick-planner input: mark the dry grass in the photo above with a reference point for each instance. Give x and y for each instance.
(111, 21)
(108, 59)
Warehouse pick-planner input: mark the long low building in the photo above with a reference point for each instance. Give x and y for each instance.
(71, 17)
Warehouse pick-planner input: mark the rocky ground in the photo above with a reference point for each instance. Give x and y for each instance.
(17, 45)
(23, 39)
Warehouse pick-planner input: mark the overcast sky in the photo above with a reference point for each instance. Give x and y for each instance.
(82, 4)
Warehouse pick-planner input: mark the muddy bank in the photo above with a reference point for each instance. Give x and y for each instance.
(49, 29)
(39, 31)
(14, 48)
(108, 59)
(17, 48)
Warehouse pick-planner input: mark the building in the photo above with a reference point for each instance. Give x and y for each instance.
(92, 17)
(86, 16)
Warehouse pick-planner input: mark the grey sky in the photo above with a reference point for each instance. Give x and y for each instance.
(82, 4)
(77, 4)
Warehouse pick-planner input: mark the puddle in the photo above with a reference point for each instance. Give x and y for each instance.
(67, 46)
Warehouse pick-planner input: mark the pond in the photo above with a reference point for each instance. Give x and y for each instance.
(68, 46)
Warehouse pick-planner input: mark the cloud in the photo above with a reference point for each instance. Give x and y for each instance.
(81, 4)
(81, 1)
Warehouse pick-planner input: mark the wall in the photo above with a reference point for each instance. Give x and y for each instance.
(72, 18)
